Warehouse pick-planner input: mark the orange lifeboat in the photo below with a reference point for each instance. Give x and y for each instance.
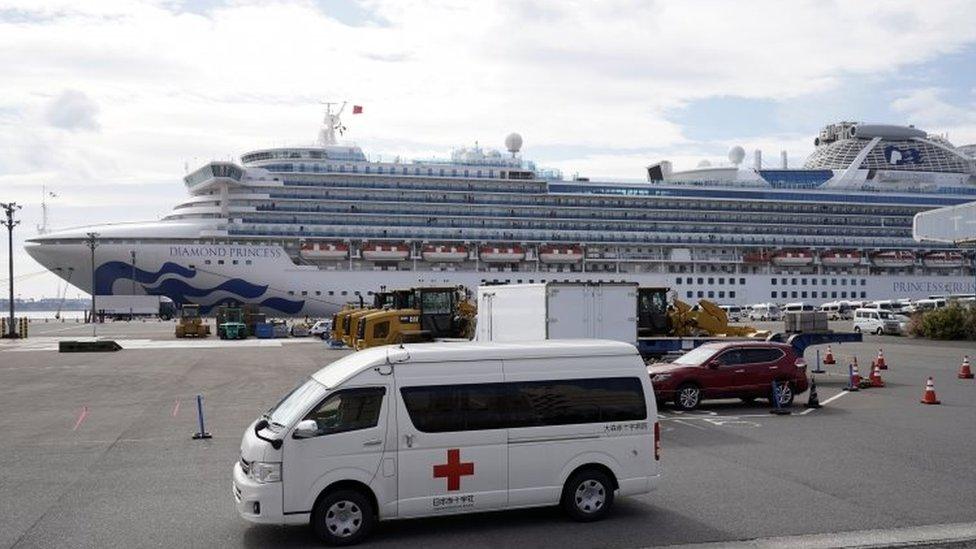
(445, 253)
(840, 258)
(792, 258)
(560, 254)
(942, 259)
(755, 257)
(893, 259)
(501, 254)
(324, 250)
(385, 252)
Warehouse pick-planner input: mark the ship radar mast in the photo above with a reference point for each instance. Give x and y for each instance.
(331, 123)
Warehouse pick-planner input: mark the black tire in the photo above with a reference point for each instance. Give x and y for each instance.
(343, 517)
(879, 331)
(787, 392)
(587, 495)
(857, 329)
(688, 396)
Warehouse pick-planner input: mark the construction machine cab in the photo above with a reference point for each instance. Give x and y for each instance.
(652, 312)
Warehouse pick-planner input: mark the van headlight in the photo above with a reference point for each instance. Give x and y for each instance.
(264, 472)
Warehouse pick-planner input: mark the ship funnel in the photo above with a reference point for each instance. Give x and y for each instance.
(782, 158)
(758, 161)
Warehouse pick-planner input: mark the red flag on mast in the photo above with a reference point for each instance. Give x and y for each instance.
(357, 109)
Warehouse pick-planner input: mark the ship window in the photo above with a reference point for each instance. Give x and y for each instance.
(783, 280)
(853, 282)
(317, 292)
(344, 292)
(803, 281)
(721, 281)
(833, 295)
(701, 280)
(678, 280)
(690, 294)
(823, 282)
(356, 292)
(772, 294)
(192, 266)
(864, 282)
(711, 294)
(833, 281)
(794, 293)
(304, 292)
(721, 295)
(206, 262)
(234, 262)
(220, 262)
(331, 292)
(843, 294)
(247, 262)
(813, 281)
(701, 294)
(803, 294)
(864, 294)
(843, 282)
(732, 294)
(711, 281)
(793, 281)
(291, 292)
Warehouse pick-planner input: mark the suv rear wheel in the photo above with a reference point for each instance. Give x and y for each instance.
(786, 394)
(588, 495)
(688, 396)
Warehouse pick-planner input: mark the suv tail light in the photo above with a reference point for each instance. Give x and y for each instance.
(657, 441)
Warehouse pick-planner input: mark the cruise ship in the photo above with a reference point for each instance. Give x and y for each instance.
(305, 230)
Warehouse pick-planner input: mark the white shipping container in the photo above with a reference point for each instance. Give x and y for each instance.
(137, 305)
(558, 310)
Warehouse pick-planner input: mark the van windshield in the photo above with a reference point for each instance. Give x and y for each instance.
(696, 357)
(293, 405)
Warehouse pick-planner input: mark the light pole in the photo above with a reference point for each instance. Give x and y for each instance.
(92, 242)
(9, 208)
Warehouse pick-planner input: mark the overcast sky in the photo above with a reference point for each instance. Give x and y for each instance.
(106, 102)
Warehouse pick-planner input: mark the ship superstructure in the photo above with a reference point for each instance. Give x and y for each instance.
(303, 230)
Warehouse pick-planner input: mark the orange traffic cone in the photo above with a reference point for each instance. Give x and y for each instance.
(855, 374)
(875, 377)
(929, 396)
(964, 371)
(881, 360)
(829, 359)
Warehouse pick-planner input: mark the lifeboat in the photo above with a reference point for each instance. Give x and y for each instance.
(560, 254)
(792, 258)
(324, 250)
(840, 258)
(444, 253)
(942, 259)
(893, 259)
(755, 257)
(385, 252)
(501, 254)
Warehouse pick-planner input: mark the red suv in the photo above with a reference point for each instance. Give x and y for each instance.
(740, 369)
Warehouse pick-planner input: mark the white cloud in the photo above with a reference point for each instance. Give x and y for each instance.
(166, 86)
(72, 110)
(928, 108)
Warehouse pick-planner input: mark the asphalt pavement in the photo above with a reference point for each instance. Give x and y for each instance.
(97, 452)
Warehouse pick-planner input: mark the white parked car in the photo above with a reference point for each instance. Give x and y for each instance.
(322, 329)
(734, 312)
(765, 311)
(438, 429)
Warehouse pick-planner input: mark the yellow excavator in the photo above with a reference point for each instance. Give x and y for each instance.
(657, 317)
(343, 324)
(421, 314)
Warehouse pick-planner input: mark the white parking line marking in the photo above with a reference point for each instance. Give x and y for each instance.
(824, 402)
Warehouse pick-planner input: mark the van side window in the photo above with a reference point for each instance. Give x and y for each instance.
(470, 407)
(348, 410)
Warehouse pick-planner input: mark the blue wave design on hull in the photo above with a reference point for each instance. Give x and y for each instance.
(286, 306)
(176, 287)
(109, 272)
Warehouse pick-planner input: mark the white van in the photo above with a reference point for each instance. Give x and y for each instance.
(442, 428)
(765, 311)
(733, 312)
(880, 321)
(798, 307)
(837, 310)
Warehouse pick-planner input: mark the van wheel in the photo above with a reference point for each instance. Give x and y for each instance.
(879, 331)
(857, 329)
(688, 396)
(588, 495)
(344, 517)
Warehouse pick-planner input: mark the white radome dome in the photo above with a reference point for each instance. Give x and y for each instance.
(736, 155)
(704, 164)
(513, 143)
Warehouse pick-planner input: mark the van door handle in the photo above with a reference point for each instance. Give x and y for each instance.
(373, 442)
(409, 440)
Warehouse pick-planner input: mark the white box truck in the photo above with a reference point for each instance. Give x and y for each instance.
(558, 310)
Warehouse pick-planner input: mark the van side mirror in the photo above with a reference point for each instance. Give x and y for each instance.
(306, 428)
